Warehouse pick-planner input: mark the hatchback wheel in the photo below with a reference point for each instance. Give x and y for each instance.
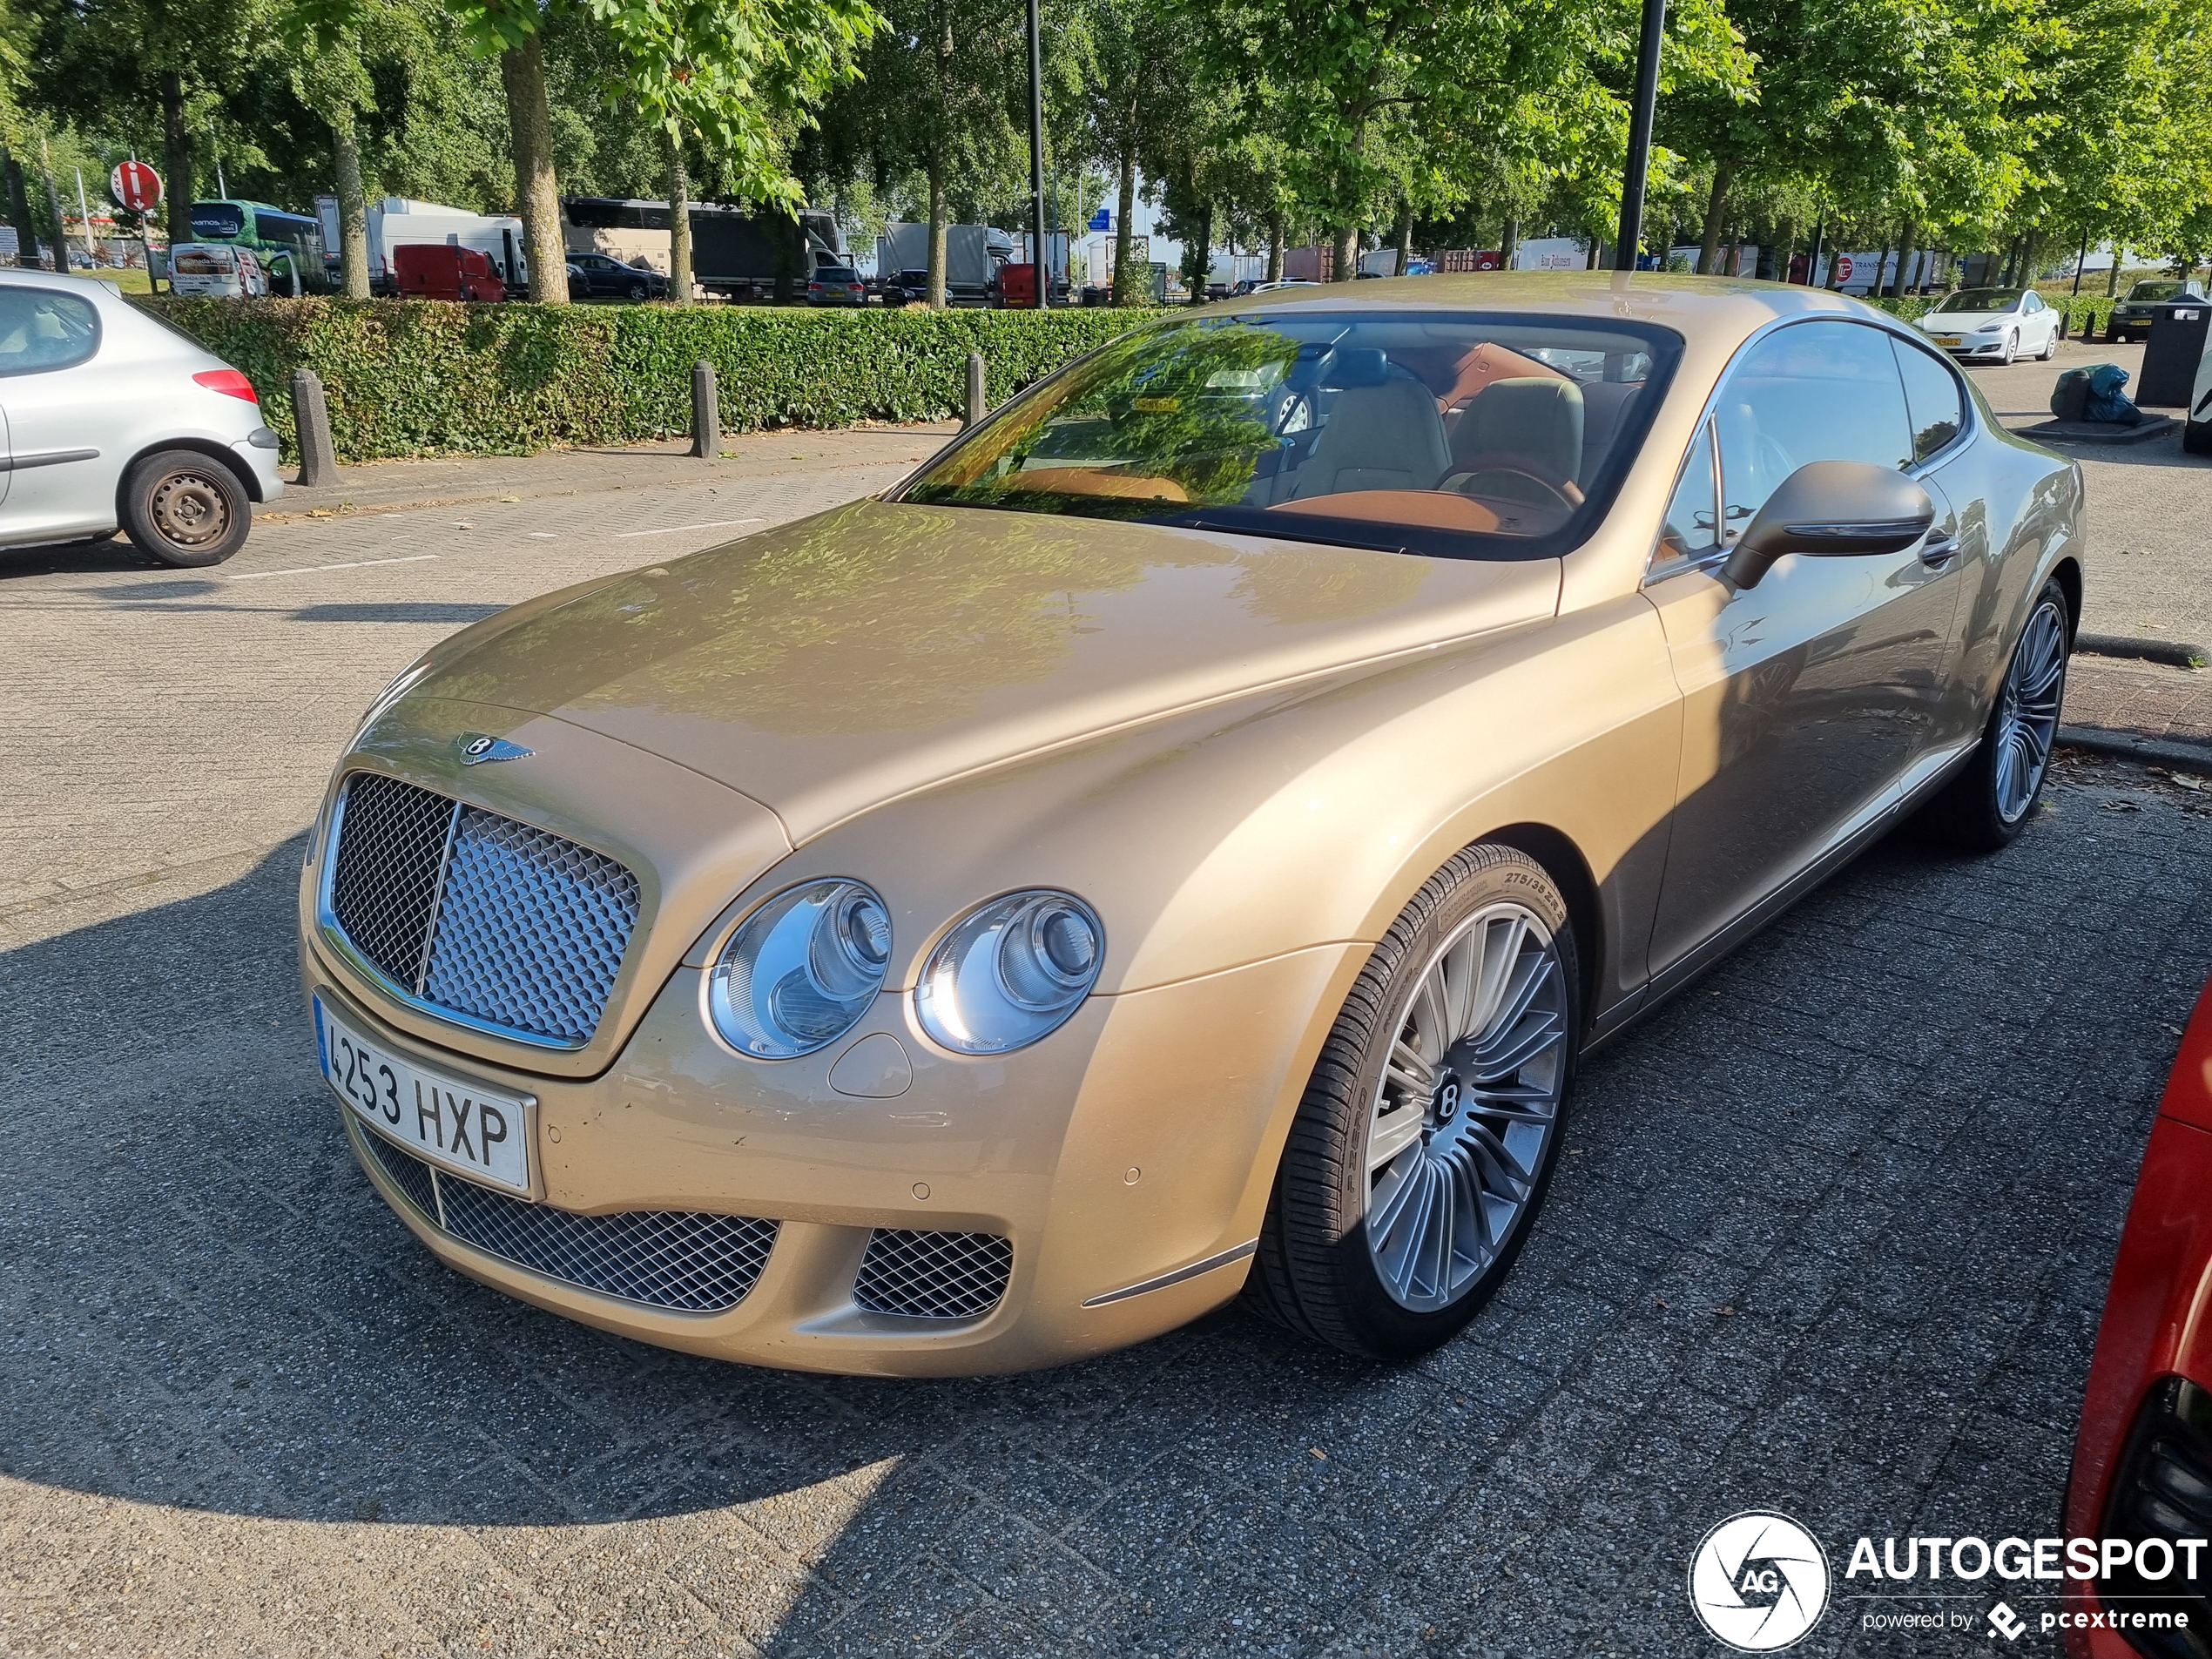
(183, 508)
(1426, 1138)
(1989, 803)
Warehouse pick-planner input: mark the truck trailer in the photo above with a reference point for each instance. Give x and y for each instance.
(736, 253)
(975, 254)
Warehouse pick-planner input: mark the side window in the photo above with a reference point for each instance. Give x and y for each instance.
(1689, 531)
(1815, 391)
(2035, 303)
(40, 329)
(1931, 397)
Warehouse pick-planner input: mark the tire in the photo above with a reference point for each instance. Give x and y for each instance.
(2012, 351)
(184, 508)
(1989, 803)
(637, 293)
(2050, 347)
(2196, 437)
(1349, 1255)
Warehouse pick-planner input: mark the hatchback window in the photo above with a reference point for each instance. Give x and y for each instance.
(1460, 435)
(1819, 391)
(1981, 300)
(41, 329)
(1931, 398)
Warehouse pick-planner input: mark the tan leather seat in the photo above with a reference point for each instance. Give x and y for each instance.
(1534, 421)
(1378, 437)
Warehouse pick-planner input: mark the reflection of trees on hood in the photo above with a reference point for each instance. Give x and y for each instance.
(1296, 585)
(861, 619)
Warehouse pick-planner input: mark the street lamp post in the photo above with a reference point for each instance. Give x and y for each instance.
(1640, 118)
(1038, 263)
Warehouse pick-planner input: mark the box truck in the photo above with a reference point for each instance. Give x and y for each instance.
(975, 254)
(735, 253)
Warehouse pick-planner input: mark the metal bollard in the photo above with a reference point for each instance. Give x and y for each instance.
(975, 388)
(706, 413)
(311, 420)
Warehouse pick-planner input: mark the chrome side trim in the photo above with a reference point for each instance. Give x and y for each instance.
(52, 458)
(1249, 1247)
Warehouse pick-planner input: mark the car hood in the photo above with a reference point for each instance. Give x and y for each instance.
(843, 660)
(1953, 319)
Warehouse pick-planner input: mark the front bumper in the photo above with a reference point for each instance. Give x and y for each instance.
(1128, 1159)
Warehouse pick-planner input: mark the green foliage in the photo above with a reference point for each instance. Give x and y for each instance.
(408, 378)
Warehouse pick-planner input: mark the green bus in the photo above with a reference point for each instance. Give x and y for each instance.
(290, 244)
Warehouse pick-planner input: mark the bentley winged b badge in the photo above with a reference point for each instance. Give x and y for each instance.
(476, 747)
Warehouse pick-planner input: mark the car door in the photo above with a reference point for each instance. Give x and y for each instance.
(1808, 696)
(70, 409)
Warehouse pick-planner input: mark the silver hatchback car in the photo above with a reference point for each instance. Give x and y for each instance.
(115, 419)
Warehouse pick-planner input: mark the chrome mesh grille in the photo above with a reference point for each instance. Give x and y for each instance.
(687, 1261)
(384, 880)
(477, 914)
(933, 1276)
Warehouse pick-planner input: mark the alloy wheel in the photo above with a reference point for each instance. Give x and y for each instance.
(2027, 713)
(1468, 1104)
(189, 510)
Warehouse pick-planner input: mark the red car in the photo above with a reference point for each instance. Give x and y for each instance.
(2142, 1459)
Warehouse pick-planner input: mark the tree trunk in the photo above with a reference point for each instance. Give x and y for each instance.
(1907, 246)
(537, 195)
(1197, 256)
(2112, 273)
(1709, 245)
(679, 220)
(1275, 246)
(2027, 260)
(176, 144)
(1404, 236)
(1343, 254)
(1128, 290)
(1874, 289)
(353, 208)
(937, 292)
(1509, 244)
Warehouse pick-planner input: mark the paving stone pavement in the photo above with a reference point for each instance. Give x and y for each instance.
(1830, 1235)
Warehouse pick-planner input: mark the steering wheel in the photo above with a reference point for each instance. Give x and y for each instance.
(1569, 493)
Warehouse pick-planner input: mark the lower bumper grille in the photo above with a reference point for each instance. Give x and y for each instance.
(683, 1261)
(933, 1276)
(2161, 1490)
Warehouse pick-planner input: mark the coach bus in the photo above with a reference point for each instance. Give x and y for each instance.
(290, 244)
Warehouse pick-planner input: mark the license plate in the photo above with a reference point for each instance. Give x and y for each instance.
(458, 1125)
(1949, 340)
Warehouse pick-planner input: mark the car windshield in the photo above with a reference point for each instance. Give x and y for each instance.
(2155, 291)
(1462, 435)
(1983, 300)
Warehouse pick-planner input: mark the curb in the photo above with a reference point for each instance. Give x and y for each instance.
(2175, 653)
(2122, 745)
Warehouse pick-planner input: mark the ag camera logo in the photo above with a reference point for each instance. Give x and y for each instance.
(1759, 1582)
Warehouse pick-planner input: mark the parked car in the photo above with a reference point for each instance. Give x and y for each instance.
(2131, 318)
(905, 287)
(216, 270)
(2142, 1454)
(1180, 841)
(1993, 323)
(836, 285)
(599, 276)
(117, 420)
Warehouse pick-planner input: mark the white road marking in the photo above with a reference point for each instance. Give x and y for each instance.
(544, 536)
(350, 564)
(710, 524)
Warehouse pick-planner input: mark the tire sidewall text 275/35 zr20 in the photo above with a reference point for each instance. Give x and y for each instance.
(1316, 1271)
(184, 507)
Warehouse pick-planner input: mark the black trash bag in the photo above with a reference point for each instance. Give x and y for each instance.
(2070, 397)
(2107, 401)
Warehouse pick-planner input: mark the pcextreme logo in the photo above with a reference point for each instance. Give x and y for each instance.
(1759, 1582)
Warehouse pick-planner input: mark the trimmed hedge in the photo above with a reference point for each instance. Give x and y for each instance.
(415, 377)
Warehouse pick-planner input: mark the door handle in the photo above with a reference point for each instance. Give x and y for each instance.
(1938, 548)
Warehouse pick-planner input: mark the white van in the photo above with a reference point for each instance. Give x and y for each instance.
(216, 270)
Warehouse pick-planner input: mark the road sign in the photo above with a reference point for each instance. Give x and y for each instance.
(1842, 267)
(135, 185)
(1101, 220)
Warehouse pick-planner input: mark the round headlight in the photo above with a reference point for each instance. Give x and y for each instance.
(1013, 970)
(802, 970)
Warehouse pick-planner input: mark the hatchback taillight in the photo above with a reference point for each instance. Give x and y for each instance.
(228, 382)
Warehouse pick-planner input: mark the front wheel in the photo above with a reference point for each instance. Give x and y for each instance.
(2011, 350)
(637, 293)
(1429, 1129)
(1988, 804)
(185, 508)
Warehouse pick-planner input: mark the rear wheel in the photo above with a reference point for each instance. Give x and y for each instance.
(1428, 1133)
(185, 508)
(2050, 347)
(1988, 804)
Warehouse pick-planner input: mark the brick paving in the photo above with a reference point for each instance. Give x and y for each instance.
(1830, 1234)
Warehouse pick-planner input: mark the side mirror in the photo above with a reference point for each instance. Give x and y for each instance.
(1830, 509)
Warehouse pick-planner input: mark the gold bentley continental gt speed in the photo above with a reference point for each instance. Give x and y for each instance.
(1179, 841)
